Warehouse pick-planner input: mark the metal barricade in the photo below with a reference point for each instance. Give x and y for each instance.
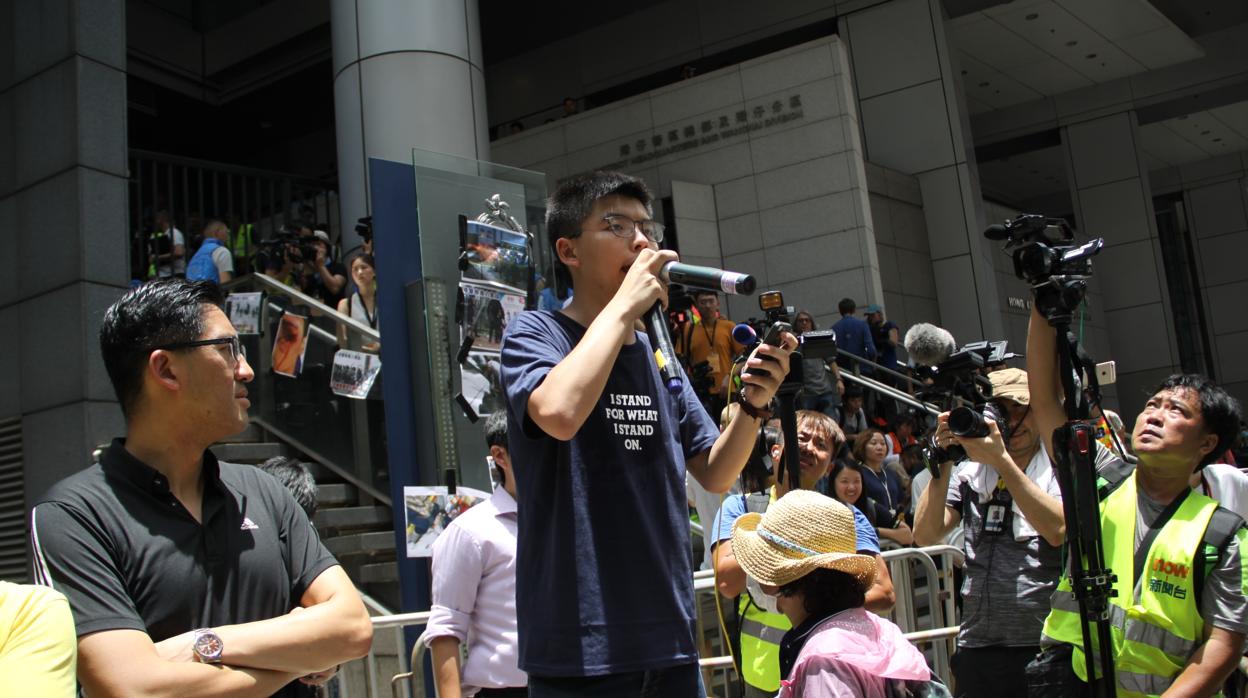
(940, 606)
(940, 603)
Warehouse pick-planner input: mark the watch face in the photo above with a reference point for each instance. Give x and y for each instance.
(208, 646)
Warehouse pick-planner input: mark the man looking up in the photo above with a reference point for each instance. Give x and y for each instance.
(187, 575)
(762, 624)
(1007, 498)
(604, 593)
(1179, 617)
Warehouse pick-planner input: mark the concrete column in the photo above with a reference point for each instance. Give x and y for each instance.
(914, 120)
(1113, 200)
(407, 74)
(63, 223)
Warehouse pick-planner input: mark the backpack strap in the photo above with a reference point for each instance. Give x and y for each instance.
(1112, 474)
(1218, 534)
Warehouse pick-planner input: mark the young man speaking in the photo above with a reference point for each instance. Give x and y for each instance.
(604, 591)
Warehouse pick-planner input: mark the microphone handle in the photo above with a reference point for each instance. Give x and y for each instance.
(664, 354)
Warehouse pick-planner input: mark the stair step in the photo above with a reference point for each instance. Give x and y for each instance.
(352, 517)
(372, 543)
(247, 452)
(379, 573)
(335, 494)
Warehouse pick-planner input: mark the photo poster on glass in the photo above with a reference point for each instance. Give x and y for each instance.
(427, 511)
(495, 274)
(243, 310)
(354, 373)
(289, 344)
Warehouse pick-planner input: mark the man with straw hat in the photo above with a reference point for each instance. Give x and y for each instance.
(802, 550)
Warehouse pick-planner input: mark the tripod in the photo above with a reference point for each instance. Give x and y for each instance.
(1074, 444)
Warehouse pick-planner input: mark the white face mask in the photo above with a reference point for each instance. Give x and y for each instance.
(767, 602)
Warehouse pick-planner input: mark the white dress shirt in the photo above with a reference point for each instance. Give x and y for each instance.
(474, 592)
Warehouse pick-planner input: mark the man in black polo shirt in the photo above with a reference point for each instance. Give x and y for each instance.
(186, 574)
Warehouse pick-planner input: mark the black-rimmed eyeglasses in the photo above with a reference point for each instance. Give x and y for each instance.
(237, 352)
(624, 227)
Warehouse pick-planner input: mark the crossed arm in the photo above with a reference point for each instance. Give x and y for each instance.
(329, 628)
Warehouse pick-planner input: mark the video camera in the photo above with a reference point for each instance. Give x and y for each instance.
(679, 307)
(961, 376)
(287, 245)
(1046, 257)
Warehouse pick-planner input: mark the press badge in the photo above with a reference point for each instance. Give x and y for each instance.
(997, 515)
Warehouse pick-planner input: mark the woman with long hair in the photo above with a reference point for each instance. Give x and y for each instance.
(361, 304)
(845, 485)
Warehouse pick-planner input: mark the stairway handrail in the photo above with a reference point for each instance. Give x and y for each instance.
(278, 287)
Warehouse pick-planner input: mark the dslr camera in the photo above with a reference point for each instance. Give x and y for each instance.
(962, 376)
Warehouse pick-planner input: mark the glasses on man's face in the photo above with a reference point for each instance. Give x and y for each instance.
(237, 353)
(625, 227)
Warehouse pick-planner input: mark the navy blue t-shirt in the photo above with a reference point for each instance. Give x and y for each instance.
(884, 488)
(603, 564)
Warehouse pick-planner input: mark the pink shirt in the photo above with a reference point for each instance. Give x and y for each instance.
(853, 654)
(474, 592)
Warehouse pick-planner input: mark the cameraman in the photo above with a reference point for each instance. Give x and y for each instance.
(711, 341)
(1007, 498)
(323, 278)
(1170, 635)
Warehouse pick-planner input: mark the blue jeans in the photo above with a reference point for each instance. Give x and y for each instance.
(684, 681)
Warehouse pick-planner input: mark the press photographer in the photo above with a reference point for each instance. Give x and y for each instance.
(707, 338)
(1162, 559)
(1008, 500)
(323, 277)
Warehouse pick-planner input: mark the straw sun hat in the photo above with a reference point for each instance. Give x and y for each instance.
(801, 531)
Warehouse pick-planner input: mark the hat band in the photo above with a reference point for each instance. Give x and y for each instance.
(784, 542)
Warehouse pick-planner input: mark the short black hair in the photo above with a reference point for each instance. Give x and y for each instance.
(296, 478)
(496, 429)
(572, 201)
(827, 591)
(699, 292)
(156, 314)
(1219, 410)
(852, 390)
(496, 435)
(846, 306)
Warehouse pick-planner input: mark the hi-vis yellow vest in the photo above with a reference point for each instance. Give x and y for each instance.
(761, 631)
(760, 644)
(1156, 633)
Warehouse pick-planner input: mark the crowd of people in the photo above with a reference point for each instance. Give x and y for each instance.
(575, 577)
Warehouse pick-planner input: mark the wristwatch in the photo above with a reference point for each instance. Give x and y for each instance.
(763, 413)
(207, 646)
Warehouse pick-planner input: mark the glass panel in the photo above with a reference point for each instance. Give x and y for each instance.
(343, 433)
(446, 188)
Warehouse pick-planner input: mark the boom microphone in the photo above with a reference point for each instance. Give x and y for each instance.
(707, 278)
(929, 345)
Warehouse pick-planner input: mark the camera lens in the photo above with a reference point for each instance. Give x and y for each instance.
(966, 422)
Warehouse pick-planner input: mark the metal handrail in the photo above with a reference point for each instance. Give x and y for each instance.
(278, 287)
(703, 580)
(890, 391)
